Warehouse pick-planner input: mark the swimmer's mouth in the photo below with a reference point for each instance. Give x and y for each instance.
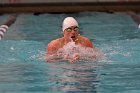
(72, 36)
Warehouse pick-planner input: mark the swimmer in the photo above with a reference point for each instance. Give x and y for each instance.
(70, 29)
(4, 27)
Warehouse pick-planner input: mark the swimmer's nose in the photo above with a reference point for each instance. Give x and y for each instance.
(73, 31)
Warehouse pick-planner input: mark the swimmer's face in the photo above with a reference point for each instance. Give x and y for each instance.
(71, 33)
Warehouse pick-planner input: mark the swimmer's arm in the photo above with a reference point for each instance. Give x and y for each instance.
(50, 57)
(51, 52)
(52, 47)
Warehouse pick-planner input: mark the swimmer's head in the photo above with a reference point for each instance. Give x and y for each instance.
(68, 22)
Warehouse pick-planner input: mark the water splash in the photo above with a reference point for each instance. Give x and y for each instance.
(38, 57)
(87, 54)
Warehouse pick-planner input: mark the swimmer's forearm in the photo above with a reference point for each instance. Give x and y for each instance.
(49, 58)
(52, 57)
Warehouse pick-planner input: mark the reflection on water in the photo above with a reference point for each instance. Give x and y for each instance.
(11, 77)
(60, 77)
(79, 78)
(76, 77)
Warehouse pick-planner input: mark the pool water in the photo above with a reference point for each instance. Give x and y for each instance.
(23, 68)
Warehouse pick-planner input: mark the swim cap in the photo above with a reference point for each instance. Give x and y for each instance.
(68, 22)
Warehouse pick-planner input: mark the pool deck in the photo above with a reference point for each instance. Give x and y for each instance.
(69, 7)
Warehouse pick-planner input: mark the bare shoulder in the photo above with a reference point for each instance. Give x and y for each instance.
(53, 45)
(86, 41)
(84, 38)
(53, 42)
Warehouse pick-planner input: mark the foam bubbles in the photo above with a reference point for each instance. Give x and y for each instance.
(38, 57)
(72, 50)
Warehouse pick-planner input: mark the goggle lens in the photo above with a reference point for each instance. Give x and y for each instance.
(70, 29)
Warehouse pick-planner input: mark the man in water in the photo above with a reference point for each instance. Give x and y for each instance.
(70, 29)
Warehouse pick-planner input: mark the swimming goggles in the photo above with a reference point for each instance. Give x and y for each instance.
(70, 29)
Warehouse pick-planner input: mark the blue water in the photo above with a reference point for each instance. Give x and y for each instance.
(23, 68)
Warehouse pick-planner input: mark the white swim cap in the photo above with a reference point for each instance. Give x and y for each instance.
(139, 26)
(68, 22)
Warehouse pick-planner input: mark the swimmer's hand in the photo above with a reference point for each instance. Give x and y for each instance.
(53, 57)
(75, 58)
